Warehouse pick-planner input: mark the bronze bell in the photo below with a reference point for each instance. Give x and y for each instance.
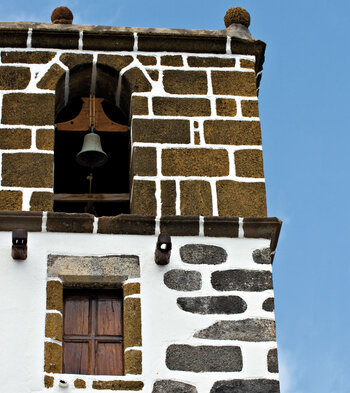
(91, 154)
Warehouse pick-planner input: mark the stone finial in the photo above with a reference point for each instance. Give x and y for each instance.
(62, 16)
(237, 15)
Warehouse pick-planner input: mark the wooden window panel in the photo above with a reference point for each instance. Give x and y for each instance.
(107, 356)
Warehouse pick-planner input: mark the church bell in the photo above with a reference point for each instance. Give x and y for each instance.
(91, 155)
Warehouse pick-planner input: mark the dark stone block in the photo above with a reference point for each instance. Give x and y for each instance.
(30, 221)
(108, 42)
(246, 385)
(172, 106)
(252, 330)
(144, 161)
(183, 280)
(169, 386)
(221, 226)
(143, 198)
(269, 304)
(204, 358)
(27, 57)
(127, 224)
(272, 361)
(212, 304)
(241, 280)
(14, 78)
(13, 38)
(180, 225)
(262, 256)
(54, 39)
(202, 254)
(70, 222)
(168, 195)
(210, 62)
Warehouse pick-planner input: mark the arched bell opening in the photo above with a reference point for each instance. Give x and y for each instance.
(91, 129)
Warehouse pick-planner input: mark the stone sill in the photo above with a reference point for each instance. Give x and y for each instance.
(130, 224)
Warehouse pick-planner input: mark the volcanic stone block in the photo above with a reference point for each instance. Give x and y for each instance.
(45, 139)
(50, 79)
(212, 304)
(252, 330)
(117, 385)
(133, 362)
(203, 358)
(79, 384)
(139, 105)
(15, 138)
(221, 226)
(234, 83)
(161, 131)
(143, 200)
(250, 108)
(168, 195)
(242, 280)
(53, 358)
(269, 304)
(202, 254)
(10, 220)
(117, 62)
(246, 385)
(73, 59)
(196, 198)
(131, 288)
(272, 361)
(185, 82)
(127, 224)
(108, 42)
(247, 64)
(241, 199)
(69, 222)
(172, 61)
(154, 74)
(262, 256)
(144, 161)
(132, 322)
(11, 38)
(53, 326)
(189, 107)
(14, 78)
(183, 280)
(170, 386)
(137, 81)
(249, 163)
(230, 132)
(48, 381)
(147, 60)
(226, 107)
(27, 57)
(195, 162)
(29, 109)
(27, 170)
(210, 62)
(54, 296)
(180, 225)
(55, 39)
(10, 200)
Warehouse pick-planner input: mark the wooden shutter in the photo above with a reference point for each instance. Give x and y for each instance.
(92, 332)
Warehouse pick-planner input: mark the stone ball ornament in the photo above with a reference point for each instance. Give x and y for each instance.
(237, 15)
(62, 16)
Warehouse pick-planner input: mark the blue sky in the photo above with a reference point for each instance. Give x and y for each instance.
(305, 123)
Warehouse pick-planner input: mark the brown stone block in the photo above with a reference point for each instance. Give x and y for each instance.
(27, 57)
(221, 226)
(249, 163)
(247, 64)
(14, 78)
(15, 138)
(117, 62)
(226, 107)
(131, 289)
(161, 131)
(55, 39)
(10, 200)
(27, 170)
(48, 381)
(139, 105)
(132, 322)
(80, 384)
(30, 221)
(133, 362)
(13, 38)
(250, 108)
(53, 358)
(241, 199)
(266, 228)
(41, 201)
(54, 295)
(50, 79)
(172, 61)
(147, 60)
(70, 222)
(234, 83)
(127, 224)
(196, 199)
(230, 132)
(197, 138)
(53, 326)
(143, 199)
(117, 385)
(73, 59)
(29, 109)
(195, 162)
(210, 62)
(108, 42)
(185, 82)
(153, 74)
(180, 225)
(168, 106)
(144, 161)
(45, 139)
(136, 80)
(168, 196)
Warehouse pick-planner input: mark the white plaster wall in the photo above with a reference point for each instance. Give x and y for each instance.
(23, 304)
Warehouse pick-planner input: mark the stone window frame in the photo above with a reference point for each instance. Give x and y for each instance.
(93, 272)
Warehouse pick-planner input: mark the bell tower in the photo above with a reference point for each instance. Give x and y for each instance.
(132, 172)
